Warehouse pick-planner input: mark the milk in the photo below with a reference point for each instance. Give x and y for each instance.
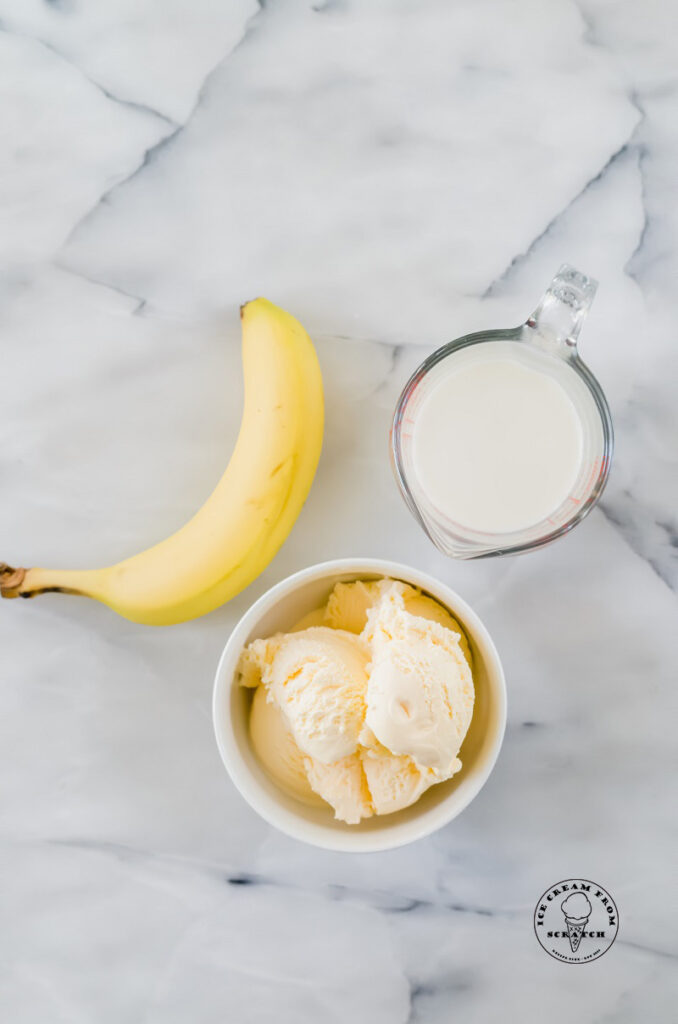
(497, 444)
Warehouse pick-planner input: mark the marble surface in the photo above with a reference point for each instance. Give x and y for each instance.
(396, 174)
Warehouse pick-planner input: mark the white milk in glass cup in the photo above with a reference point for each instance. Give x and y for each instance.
(502, 440)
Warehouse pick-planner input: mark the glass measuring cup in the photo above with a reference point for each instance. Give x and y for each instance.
(546, 342)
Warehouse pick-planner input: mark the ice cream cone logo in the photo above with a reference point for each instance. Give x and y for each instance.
(577, 911)
(575, 930)
(576, 921)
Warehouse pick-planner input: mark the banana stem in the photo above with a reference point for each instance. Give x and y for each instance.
(31, 582)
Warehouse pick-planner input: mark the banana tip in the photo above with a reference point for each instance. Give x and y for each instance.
(251, 302)
(11, 580)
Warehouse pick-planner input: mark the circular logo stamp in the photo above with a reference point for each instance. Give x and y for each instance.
(576, 921)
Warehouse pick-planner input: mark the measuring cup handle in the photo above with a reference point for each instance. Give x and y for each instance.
(563, 307)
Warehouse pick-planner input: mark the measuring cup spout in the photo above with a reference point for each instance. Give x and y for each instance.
(558, 318)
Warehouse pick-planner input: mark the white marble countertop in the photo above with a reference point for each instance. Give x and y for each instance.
(396, 175)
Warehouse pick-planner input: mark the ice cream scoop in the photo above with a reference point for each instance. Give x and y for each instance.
(394, 782)
(420, 690)
(317, 677)
(343, 785)
(276, 749)
(349, 603)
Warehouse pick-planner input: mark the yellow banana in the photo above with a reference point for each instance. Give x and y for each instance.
(239, 529)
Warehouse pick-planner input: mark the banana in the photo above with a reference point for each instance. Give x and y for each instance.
(241, 526)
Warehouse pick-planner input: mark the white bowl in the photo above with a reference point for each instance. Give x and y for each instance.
(277, 611)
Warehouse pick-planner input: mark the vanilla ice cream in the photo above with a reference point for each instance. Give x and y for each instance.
(317, 677)
(374, 696)
(276, 749)
(349, 603)
(393, 781)
(343, 785)
(420, 693)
